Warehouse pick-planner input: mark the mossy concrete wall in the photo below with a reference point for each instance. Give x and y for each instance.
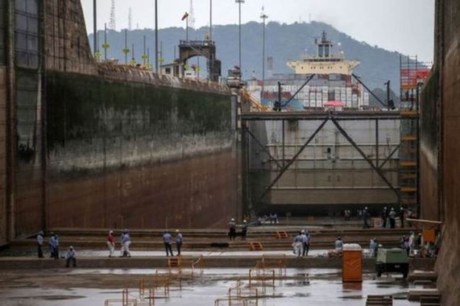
(448, 262)
(126, 154)
(440, 166)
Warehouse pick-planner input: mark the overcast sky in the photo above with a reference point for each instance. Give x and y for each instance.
(406, 26)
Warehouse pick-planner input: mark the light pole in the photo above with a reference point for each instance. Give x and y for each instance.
(263, 16)
(239, 31)
(210, 20)
(186, 29)
(210, 60)
(156, 36)
(105, 45)
(96, 49)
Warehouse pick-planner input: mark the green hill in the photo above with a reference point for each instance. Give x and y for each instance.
(283, 42)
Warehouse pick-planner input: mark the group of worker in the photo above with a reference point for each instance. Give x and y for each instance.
(415, 245)
(388, 216)
(168, 241)
(301, 244)
(232, 233)
(53, 243)
(125, 242)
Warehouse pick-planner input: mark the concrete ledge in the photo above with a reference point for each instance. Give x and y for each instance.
(416, 294)
(224, 261)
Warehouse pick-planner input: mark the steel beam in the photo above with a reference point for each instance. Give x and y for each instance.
(323, 115)
(263, 147)
(370, 91)
(298, 90)
(378, 170)
(377, 143)
(389, 156)
(283, 170)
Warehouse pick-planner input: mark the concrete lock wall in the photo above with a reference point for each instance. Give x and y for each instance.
(3, 154)
(429, 147)
(448, 61)
(64, 30)
(26, 120)
(440, 147)
(104, 145)
(137, 155)
(3, 129)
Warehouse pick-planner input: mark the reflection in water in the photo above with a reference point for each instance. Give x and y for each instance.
(301, 287)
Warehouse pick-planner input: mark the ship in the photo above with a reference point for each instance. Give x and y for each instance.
(332, 83)
(97, 144)
(315, 146)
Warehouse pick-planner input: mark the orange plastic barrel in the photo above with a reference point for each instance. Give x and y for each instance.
(352, 266)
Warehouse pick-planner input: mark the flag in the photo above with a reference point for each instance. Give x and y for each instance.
(185, 16)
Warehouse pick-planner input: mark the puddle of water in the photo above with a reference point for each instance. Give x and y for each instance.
(324, 287)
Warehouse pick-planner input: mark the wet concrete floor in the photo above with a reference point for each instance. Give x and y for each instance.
(83, 287)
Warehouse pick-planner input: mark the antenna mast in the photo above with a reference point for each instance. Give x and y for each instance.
(130, 20)
(191, 17)
(112, 23)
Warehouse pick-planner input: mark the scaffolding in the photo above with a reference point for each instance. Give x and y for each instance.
(278, 264)
(412, 77)
(158, 285)
(127, 299)
(183, 267)
(262, 279)
(239, 295)
(251, 103)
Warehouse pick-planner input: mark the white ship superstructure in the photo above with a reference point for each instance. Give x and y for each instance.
(324, 61)
(332, 86)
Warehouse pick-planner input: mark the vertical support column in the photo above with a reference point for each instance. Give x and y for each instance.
(241, 204)
(377, 143)
(4, 102)
(283, 143)
(42, 110)
(245, 161)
